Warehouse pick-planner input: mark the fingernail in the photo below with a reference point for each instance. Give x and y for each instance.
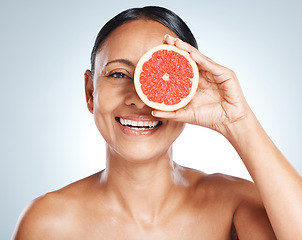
(153, 114)
(167, 35)
(178, 39)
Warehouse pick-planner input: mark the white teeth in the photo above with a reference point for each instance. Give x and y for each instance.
(141, 124)
(125, 121)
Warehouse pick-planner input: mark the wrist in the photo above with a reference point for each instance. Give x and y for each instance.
(240, 130)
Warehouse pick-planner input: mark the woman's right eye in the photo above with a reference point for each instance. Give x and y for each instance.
(118, 75)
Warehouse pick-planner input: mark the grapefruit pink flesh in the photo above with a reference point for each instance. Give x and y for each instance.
(166, 78)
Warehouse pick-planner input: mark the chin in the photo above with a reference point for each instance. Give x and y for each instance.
(141, 152)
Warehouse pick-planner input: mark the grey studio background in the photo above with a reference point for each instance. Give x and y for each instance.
(48, 138)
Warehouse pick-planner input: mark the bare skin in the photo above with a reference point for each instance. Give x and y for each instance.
(142, 193)
(201, 207)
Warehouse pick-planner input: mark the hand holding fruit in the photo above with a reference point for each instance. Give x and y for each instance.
(219, 100)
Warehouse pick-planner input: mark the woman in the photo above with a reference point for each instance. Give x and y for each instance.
(142, 193)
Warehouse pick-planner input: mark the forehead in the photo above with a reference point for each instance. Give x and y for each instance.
(131, 40)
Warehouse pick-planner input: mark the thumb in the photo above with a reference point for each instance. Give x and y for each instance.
(178, 115)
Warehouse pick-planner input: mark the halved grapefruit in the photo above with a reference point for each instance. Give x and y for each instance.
(166, 78)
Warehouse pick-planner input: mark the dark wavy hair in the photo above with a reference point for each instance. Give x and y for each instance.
(159, 14)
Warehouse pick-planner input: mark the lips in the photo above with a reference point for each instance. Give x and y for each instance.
(138, 125)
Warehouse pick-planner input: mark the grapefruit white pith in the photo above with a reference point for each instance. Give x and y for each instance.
(166, 78)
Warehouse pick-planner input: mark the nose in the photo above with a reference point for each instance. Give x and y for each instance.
(133, 99)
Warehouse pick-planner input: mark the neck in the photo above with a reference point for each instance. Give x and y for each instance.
(142, 188)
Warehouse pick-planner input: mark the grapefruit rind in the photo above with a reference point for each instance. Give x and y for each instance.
(161, 106)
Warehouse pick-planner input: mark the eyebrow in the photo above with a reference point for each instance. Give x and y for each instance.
(124, 61)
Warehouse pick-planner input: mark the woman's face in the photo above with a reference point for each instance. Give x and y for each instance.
(122, 118)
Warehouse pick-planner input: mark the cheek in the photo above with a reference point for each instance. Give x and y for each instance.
(107, 98)
(176, 129)
(106, 101)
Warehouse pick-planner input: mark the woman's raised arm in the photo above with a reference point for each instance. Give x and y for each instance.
(219, 104)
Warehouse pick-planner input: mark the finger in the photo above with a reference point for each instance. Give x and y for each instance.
(174, 115)
(179, 43)
(169, 39)
(184, 46)
(189, 48)
(208, 76)
(204, 62)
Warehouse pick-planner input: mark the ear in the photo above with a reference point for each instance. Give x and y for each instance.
(89, 90)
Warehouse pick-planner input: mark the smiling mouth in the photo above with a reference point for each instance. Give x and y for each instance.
(138, 125)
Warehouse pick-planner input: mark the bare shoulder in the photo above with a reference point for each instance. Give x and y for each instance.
(42, 219)
(226, 185)
(240, 196)
(53, 214)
